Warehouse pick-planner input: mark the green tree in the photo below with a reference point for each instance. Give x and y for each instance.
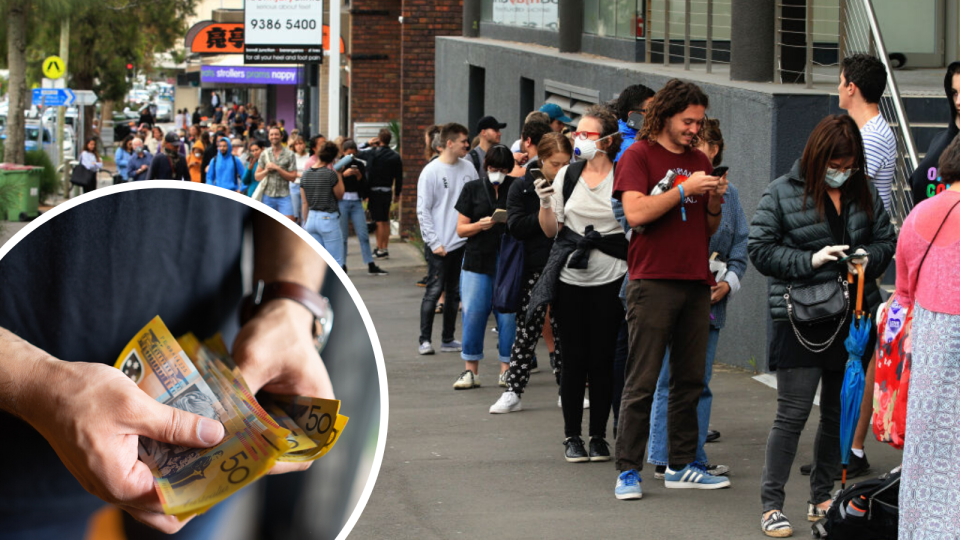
(105, 35)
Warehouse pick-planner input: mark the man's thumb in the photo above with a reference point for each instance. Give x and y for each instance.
(171, 425)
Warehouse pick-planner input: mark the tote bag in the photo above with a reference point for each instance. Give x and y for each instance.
(506, 287)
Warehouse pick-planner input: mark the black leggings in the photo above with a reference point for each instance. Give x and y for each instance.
(588, 320)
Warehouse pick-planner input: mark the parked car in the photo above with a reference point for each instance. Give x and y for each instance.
(164, 111)
(70, 118)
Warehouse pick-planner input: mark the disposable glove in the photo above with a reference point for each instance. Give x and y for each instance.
(545, 192)
(863, 262)
(828, 254)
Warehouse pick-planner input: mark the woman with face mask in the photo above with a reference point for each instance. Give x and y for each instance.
(194, 160)
(582, 277)
(478, 202)
(808, 221)
(523, 217)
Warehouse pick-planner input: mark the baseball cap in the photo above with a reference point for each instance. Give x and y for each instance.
(171, 137)
(489, 122)
(555, 113)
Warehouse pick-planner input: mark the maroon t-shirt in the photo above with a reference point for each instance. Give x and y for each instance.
(669, 248)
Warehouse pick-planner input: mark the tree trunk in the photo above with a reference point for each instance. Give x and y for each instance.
(17, 63)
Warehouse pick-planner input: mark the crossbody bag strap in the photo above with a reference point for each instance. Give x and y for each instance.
(927, 252)
(813, 346)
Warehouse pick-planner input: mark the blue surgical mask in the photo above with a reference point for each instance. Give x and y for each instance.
(835, 178)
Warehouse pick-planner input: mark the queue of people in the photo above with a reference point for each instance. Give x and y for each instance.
(595, 208)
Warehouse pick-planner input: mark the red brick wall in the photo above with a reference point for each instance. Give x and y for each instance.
(375, 82)
(423, 20)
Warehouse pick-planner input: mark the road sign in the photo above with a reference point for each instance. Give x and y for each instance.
(85, 97)
(291, 32)
(53, 97)
(54, 67)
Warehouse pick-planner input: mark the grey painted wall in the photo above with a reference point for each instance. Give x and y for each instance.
(764, 130)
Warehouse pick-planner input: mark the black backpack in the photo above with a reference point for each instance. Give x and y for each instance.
(879, 497)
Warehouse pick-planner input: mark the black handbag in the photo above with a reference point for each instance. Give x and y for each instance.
(83, 177)
(812, 304)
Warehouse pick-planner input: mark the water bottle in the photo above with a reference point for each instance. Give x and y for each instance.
(857, 507)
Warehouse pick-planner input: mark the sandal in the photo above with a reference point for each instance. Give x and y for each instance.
(439, 308)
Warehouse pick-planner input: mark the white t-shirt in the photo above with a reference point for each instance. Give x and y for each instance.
(589, 207)
(301, 164)
(880, 150)
(438, 189)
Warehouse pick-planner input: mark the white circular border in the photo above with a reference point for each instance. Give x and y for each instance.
(299, 231)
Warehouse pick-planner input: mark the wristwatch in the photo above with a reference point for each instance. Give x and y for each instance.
(318, 305)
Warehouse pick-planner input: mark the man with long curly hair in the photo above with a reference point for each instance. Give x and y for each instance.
(664, 184)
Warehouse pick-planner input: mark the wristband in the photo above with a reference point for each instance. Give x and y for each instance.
(683, 210)
(318, 305)
(715, 215)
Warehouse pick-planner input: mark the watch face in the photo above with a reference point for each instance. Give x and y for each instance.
(323, 325)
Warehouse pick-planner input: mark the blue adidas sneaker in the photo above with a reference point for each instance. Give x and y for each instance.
(628, 485)
(693, 476)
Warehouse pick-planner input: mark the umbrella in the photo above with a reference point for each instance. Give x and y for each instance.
(851, 393)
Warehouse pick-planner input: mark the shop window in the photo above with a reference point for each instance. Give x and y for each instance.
(574, 100)
(611, 18)
(541, 14)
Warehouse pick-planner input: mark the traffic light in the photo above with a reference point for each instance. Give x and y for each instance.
(130, 71)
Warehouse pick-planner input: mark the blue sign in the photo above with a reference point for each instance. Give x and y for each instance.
(53, 97)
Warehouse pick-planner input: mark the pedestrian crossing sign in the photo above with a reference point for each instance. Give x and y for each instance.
(54, 67)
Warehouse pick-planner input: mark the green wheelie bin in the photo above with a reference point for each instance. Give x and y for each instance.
(27, 202)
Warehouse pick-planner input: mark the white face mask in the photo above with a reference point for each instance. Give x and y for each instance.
(587, 149)
(496, 178)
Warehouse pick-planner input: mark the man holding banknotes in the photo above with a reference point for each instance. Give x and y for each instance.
(75, 290)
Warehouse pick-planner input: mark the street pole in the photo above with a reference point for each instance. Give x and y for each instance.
(61, 111)
(333, 92)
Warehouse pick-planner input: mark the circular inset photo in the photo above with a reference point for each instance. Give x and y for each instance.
(179, 357)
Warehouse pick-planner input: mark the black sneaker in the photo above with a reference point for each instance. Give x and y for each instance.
(599, 449)
(712, 435)
(381, 253)
(805, 469)
(575, 452)
(659, 472)
(423, 282)
(375, 270)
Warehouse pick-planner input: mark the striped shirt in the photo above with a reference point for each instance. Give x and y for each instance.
(317, 187)
(880, 149)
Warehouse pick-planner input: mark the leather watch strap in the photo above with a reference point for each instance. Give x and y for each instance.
(318, 305)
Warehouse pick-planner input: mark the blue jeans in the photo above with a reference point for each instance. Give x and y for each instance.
(476, 294)
(295, 200)
(352, 210)
(325, 228)
(657, 450)
(280, 204)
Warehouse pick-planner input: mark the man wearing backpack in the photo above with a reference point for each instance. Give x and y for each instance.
(225, 170)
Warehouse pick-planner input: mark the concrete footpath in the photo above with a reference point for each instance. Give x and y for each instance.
(452, 470)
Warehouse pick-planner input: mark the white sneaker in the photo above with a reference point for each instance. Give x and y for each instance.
(503, 379)
(508, 402)
(466, 380)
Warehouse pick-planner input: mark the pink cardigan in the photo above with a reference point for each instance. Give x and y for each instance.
(939, 288)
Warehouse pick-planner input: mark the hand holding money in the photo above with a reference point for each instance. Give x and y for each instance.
(202, 378)
(93, 417)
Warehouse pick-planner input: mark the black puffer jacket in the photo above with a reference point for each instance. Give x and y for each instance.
(784, 236)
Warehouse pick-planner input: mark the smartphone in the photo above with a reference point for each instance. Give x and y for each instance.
(499, 216)
(856, 257)
(537, 174)
(720, 171)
